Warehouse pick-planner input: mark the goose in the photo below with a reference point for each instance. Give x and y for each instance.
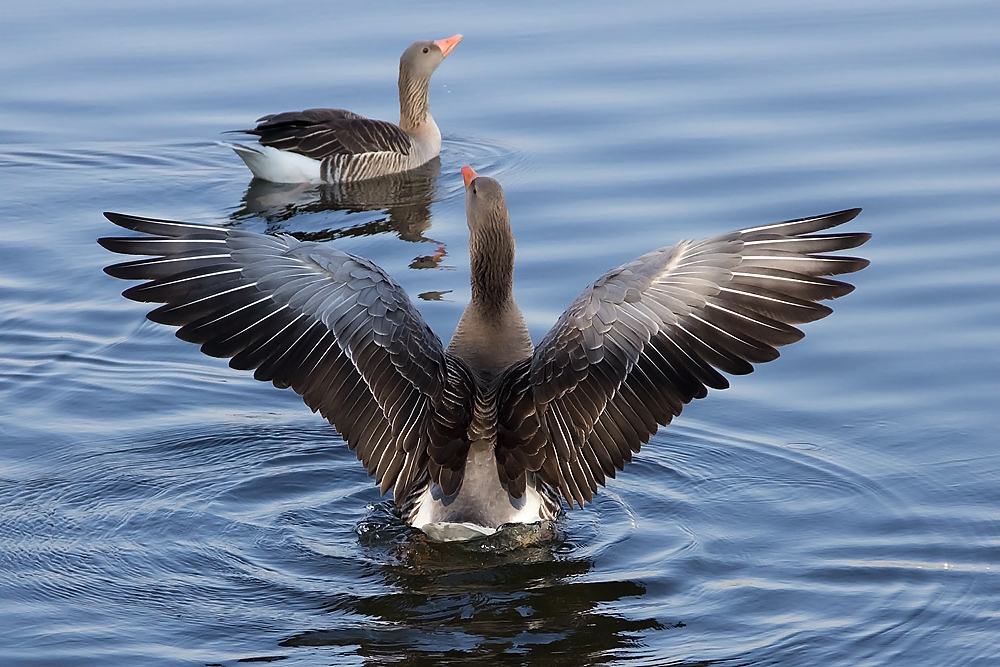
(489, 430)
(335, 146)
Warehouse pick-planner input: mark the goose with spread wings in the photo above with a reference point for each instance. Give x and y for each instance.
(489, 430)
(338, 146)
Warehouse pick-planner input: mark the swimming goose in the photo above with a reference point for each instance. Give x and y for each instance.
(489, 430)
(333, 145)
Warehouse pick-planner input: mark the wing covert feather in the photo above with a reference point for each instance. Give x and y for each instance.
(321, 133)
(332, 326)
(651, 335)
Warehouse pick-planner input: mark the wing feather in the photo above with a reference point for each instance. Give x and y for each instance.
(653, 334)
(332, 326)
(323, 133)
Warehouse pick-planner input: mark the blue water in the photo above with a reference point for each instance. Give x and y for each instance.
(837, 507)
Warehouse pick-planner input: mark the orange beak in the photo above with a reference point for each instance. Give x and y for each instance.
(469, 174)
(447, 45)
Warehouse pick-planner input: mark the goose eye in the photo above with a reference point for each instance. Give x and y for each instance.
(426, 50)
(474, 190)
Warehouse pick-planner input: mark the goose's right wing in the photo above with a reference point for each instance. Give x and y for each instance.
(651, 335)
(321, 133)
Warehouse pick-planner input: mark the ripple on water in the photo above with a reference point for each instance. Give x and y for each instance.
(506, 163)
(141, 158)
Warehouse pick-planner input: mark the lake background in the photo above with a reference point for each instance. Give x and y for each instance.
(837, 507)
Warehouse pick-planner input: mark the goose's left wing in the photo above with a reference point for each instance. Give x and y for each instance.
(334, 327)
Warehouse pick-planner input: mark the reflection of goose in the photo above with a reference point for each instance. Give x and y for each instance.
(406, 199)
(489, 430)
(333, 145)
(281, 201)
(523, 607)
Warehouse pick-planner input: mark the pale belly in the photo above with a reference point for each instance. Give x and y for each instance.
(270, 164)
(480, 506)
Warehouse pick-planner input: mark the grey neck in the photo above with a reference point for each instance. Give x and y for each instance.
(414, 100)
(492, 262)
(492, 333)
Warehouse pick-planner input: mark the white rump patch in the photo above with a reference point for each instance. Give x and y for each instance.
(270, 164)
(446, 531)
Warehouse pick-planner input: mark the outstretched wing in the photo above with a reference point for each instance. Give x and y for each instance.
(648, 336)
(332, 326)
(321, 133)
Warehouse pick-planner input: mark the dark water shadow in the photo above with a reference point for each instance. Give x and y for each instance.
(509, 600)
(405, 198)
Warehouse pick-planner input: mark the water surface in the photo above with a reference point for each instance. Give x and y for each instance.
(837, 507)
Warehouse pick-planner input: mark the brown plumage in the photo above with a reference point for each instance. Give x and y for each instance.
(334, 145)
(490, 430)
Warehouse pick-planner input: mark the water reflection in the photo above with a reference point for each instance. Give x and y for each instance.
(472, 604)
(406, 198)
